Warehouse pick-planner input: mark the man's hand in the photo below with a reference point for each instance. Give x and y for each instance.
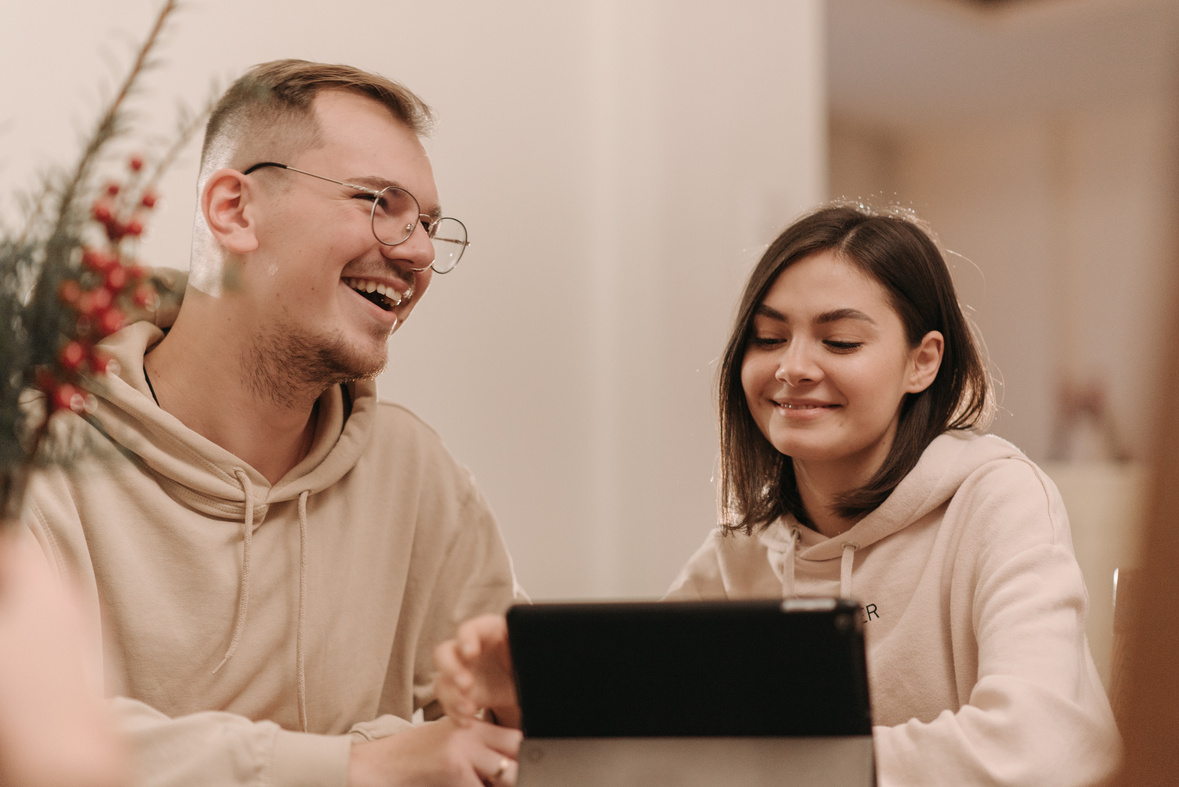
(475, 672)
(440, 754)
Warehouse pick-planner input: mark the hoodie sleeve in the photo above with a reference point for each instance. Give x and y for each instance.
(212, 747)
(472, 576)
(1033, 711)
(208, 747)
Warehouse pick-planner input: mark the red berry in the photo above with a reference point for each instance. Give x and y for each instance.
(116, 278)
(100, 362)
(72, 355)
(149, 200)
(97, 260)
(134, 228)
(144, 295)
(101, 212)
(110, 321)
(136, 163)
(69, 291)
(67, 397)
(112, 189)
(93, 302)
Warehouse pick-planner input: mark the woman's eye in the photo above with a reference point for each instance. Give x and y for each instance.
(839, 346)
(766, 341)
(364, 195)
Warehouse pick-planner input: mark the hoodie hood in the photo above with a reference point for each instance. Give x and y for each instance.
(203, 475)
(948, 461)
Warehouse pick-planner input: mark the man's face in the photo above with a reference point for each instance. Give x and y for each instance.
(316, 252)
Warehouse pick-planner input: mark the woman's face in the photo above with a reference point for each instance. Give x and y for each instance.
(827, 366)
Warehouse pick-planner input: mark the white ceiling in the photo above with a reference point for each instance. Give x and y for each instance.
(904, 63)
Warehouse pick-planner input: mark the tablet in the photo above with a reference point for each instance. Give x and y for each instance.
(770, 668)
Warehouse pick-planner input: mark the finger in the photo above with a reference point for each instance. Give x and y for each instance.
(452, 668)
(455, 699)
(502, 740)
(473, 633)
(501, 772)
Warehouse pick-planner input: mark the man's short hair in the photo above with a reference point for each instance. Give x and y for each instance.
(268, 111)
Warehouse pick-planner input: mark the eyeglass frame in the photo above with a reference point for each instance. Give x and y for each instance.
(429, 221)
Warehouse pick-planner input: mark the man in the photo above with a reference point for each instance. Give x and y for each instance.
(276, 553)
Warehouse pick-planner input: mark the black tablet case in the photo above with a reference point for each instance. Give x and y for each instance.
(691, 669)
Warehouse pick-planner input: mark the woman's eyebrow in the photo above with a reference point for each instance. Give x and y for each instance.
(769, 311)
(835, 315)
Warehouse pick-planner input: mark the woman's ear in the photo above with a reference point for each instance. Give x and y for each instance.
(228, 211)
(924, 361)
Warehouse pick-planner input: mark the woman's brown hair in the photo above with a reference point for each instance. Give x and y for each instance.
(757, 483)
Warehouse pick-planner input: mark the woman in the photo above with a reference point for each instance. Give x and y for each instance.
(848, 394)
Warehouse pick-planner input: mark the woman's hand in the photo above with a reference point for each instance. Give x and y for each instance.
(475, 673)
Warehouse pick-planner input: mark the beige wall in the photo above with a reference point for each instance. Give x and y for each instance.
(1060, 228)
(619, 165)
(1050, 174)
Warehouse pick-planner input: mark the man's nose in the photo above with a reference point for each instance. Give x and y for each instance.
(417, 249)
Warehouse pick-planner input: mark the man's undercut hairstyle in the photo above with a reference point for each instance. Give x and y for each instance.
(899, 253)
(267, 113)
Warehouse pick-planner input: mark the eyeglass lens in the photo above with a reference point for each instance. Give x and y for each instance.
(396, 213)
(450, 241)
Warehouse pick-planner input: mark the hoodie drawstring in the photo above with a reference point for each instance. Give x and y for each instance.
(299, 655)
(845, 570)
(781, 552)
(243, 601)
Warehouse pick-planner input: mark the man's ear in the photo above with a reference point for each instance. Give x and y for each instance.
(925, 360)
(229, 212)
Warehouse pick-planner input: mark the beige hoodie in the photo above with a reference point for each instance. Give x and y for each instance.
(974, 611)
(252, 627)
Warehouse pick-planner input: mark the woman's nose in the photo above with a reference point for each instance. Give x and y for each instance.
(796, 365)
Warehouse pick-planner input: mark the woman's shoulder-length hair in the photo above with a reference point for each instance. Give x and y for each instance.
(757, 483)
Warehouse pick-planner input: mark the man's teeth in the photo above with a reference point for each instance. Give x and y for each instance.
(372, 287)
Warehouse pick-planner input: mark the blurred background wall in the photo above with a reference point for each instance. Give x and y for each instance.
(621, 165)
(1040, 139)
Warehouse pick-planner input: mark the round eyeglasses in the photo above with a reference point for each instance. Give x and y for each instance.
(395, 214)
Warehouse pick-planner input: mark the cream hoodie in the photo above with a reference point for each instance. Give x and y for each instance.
(974, 611)
(252, 627)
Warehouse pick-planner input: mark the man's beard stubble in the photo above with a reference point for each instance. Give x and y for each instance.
(287, 368)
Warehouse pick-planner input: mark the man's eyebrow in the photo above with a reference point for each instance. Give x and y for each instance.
(379, 184)
(374, 182)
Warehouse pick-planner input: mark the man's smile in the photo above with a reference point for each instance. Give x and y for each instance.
(383, 295)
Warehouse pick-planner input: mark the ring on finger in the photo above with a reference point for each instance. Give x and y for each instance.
(504, 763)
